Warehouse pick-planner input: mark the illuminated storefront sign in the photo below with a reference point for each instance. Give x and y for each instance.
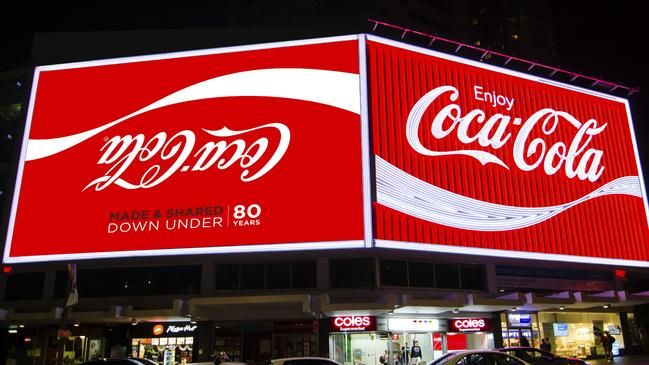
(469, 325)
(250, 148)
(476, 159)
(560, 329)
(519, 320)
(175, 329)
(352, 323)
(416, 324)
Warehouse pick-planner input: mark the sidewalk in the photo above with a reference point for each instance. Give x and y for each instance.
(623, 360)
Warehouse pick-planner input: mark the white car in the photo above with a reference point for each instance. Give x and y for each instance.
(304, 361)
(478, 357)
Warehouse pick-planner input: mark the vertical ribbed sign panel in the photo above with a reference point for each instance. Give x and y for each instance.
(469, 157)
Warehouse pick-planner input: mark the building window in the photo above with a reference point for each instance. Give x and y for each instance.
(133, 281)
(279, 276)
(472, 277)
(421, 274)
(394, 273)
(351, 273)
(576, 334)
(256, 276)
(303, 275)
(226, 277)
(447, 276)
(25, 286)
(253, 276)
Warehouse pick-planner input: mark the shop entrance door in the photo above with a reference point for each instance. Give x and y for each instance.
(358, 348)
(430, 344)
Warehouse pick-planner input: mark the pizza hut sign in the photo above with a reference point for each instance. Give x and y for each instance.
(469, 325)
(352, 324)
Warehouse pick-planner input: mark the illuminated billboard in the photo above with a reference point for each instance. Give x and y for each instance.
(475, 159)
(267, 148)
(250, 148)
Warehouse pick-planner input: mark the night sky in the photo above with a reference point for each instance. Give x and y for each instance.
(602, 39)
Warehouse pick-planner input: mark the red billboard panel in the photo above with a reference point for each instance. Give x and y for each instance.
(475, 159)
(246, 148)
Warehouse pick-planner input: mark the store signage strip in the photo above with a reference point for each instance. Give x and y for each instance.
(416, 324)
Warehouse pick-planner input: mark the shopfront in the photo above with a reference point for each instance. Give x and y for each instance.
(577, 334)
(295, 338)
(363, 340)
(427, 333)
(164, 343)
(520, 329)
(357, 340)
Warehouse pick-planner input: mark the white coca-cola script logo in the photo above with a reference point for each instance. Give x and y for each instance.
(121, 152)
(575, 158)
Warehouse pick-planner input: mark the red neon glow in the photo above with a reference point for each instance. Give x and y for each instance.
(7, 269)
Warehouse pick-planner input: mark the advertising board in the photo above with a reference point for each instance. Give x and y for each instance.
(252, 148)
(476, 159)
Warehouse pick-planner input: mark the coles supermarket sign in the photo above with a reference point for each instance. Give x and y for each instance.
(246, 148)
(475, 159)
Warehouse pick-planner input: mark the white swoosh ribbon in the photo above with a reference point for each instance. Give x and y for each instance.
(334, 88)
(405, 193)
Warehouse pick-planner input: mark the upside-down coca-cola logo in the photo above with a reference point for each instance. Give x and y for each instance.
(182, 154)
(575, 158)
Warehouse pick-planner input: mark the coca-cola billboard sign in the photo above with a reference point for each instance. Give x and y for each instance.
(352, 323)
(223, 150)
(469, 325)
(475, 159)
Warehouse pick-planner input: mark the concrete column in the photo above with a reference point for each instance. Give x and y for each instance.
(3, 287)
(492, 284)
(49, 285)
(322, 273)
(207, 278)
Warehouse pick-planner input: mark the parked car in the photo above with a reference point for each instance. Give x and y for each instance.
(120, 361)
(540, 357)
(441, 359)
(144, 361)
(304, 361)
(478, 357)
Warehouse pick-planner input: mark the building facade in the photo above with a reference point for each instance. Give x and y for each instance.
(353, 266)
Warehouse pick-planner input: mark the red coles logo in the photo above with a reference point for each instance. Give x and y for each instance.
(352, 323)
(158, 330)
(469, 325)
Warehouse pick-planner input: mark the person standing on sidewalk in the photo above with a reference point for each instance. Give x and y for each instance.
(603, 338)
(609, 344)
